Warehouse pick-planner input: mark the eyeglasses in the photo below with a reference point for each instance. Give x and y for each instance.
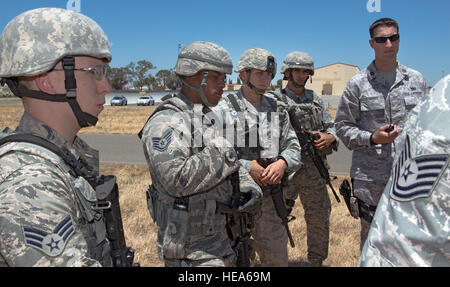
(99, 72)
(392, 38)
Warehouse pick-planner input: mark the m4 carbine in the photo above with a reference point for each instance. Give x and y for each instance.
(238, 223)
(108, 191)
(276, 193)
(306, 140)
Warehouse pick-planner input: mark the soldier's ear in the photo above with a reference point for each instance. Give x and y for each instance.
(45, 83)
(195, 79)
(243, 75)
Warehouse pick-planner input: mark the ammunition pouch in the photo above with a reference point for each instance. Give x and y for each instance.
(152, 202)
(175, 232)
(366, 211)
(356, 207)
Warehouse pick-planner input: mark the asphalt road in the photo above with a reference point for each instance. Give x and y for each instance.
(127, 149)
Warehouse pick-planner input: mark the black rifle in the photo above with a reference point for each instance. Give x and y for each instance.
(346, 192)
(108, 193)
(276, 193)
(306, 140)
(238, 223)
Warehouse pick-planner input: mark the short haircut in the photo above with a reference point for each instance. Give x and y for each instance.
(388, 22)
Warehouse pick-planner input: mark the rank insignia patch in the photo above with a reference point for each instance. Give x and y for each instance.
(51, 244)
(161, 144)
(416, 177)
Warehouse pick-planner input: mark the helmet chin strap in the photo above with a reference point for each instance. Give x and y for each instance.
(297, 85)
(200, 90)
(84, 119)
(251, 86)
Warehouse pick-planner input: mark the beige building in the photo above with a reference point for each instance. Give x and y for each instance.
(331, 79)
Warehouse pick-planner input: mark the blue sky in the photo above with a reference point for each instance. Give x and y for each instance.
(330, 30)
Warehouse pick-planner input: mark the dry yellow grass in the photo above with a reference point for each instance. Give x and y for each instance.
(140, 230)
(121, 120)
(113, 120)
(11, 110)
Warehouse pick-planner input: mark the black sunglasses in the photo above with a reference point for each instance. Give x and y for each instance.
(391, 38)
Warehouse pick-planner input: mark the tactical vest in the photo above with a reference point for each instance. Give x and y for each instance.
(182, 220)
(309, 113)
(252, 152)
(91, 222)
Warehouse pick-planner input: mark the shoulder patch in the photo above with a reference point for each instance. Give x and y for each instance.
(51, 244)
(161, 144)
(416, 177)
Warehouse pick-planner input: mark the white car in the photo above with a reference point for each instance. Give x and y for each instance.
(119, 101)
(145, 101)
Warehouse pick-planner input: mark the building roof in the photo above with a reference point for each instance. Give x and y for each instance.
(338, 63)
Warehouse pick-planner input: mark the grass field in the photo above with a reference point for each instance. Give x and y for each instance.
(140, 231)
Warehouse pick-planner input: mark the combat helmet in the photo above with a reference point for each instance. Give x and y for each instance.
(298, 60)
(202, 56)
(256, 58)
(35, 41)
(199, 56)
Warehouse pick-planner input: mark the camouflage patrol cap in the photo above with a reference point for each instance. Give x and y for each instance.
(298, 60)
(257, 58)
(201, 55)
(34, 41)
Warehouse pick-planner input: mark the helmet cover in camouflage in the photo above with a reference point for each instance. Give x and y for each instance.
(298, 60)
(257, 58)
(200, 56)
(34, 41)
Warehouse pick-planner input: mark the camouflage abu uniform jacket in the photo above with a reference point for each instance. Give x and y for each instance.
(312, 113)
(46, 218)
(190, 174)
(275, 138)
(411, 224)
(366, 105)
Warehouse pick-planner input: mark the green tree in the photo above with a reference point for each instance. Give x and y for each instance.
(172, 82)
(117, 77)
(140, 73)
(161, 77)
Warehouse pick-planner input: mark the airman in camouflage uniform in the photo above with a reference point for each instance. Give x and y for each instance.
(411, 224)
(372, 113)
(47, 214)
(190, 164)
(307, 183)
(269, 135)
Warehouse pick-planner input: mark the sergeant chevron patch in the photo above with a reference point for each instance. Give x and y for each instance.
(51, 244)
(416, 177)
(161, 144)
